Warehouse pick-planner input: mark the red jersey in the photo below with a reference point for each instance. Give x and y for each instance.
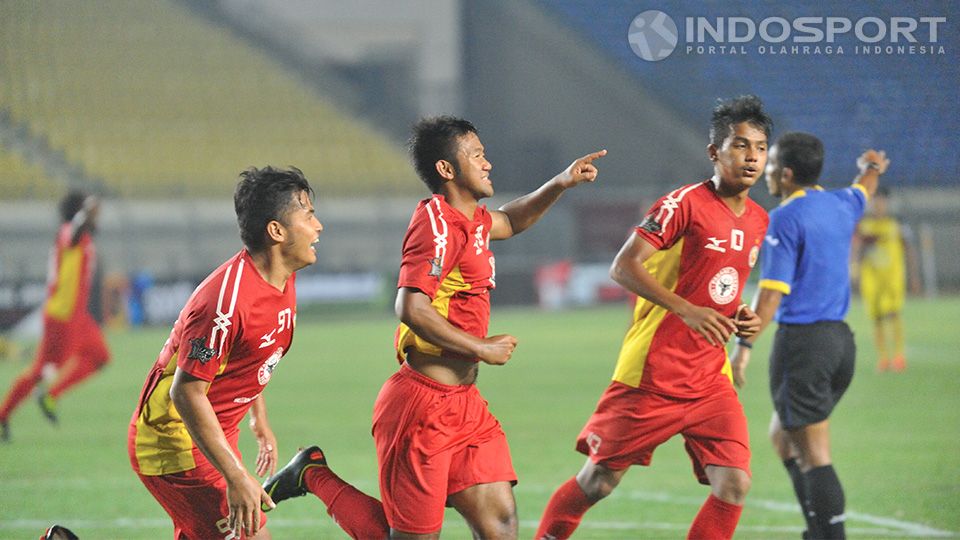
(706, 253)
(70, 274)
(232, 332)
(447, 256)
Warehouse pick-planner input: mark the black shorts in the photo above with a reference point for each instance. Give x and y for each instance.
(810, 368)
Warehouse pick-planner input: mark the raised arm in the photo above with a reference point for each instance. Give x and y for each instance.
(244, 494)
(871, 164)
(522, 212)
(628, 270)
(85, 218)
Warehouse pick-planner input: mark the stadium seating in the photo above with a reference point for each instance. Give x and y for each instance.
(22, 180)
(903, 102)
(159, 103)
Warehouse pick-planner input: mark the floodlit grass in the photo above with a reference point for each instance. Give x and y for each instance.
(896, 436)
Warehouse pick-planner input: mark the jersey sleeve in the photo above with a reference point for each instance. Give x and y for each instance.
(666, 221)
(210, 324)
(856, 197)
(431, 249)
(780, 253)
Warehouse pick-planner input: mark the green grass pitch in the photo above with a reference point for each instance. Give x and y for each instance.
(896, 436)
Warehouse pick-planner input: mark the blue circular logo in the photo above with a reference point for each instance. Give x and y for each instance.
(652, 35)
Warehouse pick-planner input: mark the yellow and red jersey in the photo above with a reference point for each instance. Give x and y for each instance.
(232, 332)
(447, 256)
(705, 255)
(70, 274)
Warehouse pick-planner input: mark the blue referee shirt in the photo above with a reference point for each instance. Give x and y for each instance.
(806, 253)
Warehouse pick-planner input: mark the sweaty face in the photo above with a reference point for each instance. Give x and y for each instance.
(474, 169)
(303, 232)
(741, 157)
(773, 173)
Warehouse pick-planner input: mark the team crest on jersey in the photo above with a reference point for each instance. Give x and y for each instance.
(200, 352)
(754, 254)
(266, 370)
(651, 225)
(435, 268)
(724, 285)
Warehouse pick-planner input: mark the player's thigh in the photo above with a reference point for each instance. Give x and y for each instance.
(197, 504)
(91, 345)
(716, 434)
(57, 343)
(628, 425)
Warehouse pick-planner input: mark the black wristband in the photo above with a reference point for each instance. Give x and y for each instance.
(744, 343)
(874, 166)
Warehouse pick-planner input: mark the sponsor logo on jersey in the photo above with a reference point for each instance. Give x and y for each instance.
(243, 399)
(266, 370)
(651, 225)
(715, 244)
(200, 352)
(773, 240)
(754, 255)
(724, 285)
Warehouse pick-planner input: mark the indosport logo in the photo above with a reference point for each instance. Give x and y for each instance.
(653, 35)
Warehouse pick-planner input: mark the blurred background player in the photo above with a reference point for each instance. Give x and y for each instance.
(687, 261)
(884, 259)
(805, 286)
(72, 341)
(228, 340)
(437, 443)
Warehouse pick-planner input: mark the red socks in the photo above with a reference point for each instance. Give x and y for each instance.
(358, 514)
(716, 520)
(564, 511)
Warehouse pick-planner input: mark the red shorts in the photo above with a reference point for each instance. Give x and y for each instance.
(80, 337)
(196, 501)
(630, 423)
(433, 440)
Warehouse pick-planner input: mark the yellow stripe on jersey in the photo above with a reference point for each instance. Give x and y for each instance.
(664, 266)
(863, 189)
(163, 444)
(63, 301)
(451, 285)
(775, 285)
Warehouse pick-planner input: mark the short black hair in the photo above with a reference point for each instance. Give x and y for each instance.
(71, 203)
(803, 154)
(434, 139)
(728, 113)
(265, 195)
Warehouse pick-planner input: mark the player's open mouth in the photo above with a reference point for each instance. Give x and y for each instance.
(749, 171)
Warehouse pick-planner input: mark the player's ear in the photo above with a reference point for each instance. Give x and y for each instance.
(786, 175)
(712, 151)
(276, 232)
(445, 169)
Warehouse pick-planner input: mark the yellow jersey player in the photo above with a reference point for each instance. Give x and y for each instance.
(882, 255)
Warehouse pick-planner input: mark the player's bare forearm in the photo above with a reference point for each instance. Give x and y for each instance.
(415, 310)
(267, 453)
(519, 214)
(765, 305)
(83, 219)
(628, 270)
(189, 395)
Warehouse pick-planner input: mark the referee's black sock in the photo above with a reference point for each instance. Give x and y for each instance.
(800, 490)
(826, 501)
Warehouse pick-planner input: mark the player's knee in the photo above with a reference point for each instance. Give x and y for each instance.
(734, 488)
